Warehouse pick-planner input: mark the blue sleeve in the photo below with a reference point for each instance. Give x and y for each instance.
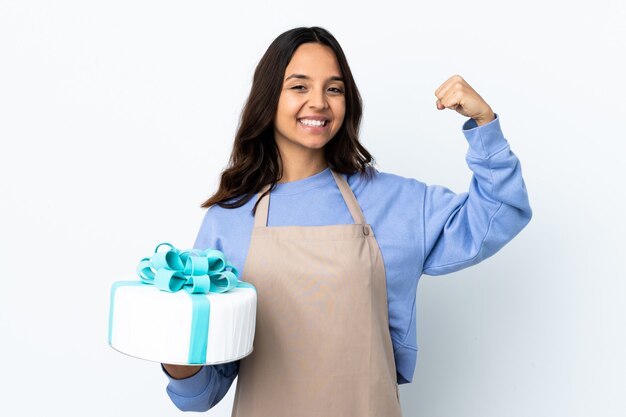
(203, 390)
(461, 230)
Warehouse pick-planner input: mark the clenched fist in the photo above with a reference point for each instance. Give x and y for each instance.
(456, 94)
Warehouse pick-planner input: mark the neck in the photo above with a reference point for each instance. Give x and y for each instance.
(295, 168)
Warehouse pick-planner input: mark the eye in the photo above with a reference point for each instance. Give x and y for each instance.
(297, 87)
(335, 90)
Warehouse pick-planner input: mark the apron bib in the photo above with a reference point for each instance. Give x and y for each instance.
(322, 346)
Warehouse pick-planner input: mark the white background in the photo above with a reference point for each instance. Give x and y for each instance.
(116, 118)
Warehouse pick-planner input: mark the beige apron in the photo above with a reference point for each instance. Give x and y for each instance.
(322, 346)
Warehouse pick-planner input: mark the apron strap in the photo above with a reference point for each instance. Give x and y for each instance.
(262, 209)
(349, 198)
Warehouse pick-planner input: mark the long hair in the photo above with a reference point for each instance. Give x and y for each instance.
(255, 159)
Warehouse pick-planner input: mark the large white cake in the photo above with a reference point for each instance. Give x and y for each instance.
(173, 327)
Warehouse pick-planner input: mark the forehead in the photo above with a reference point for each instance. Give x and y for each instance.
(313, 59)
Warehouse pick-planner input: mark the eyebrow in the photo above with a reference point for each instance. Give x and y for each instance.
(306, 77)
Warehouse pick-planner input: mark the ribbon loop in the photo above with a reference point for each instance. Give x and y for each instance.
(223, 281)
(145, 271)
(217, 261)
(168, 280)
(167, 260)
(196, 265)
(199, 284)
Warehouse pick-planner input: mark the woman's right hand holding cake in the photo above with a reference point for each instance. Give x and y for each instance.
(181, 371)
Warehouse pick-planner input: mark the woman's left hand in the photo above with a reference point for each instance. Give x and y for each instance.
(456, 94)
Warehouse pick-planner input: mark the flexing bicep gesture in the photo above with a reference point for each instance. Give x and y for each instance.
(456, 94)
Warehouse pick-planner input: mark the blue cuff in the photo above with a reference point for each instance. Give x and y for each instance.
(192, 386)
(485, 140)
(406, 359)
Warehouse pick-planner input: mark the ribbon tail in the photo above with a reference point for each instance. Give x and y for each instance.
(201, 312)
(243, 284)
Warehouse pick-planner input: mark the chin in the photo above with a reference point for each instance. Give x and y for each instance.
(317, 145)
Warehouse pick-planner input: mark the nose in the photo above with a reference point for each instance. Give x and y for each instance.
(317, 99)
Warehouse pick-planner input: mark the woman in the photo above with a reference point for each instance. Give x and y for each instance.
(337, 255)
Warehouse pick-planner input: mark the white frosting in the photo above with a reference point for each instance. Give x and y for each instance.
(156, 325)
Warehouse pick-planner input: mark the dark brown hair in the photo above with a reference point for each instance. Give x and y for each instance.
(255, 160)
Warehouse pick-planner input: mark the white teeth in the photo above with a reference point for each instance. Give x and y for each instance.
(316, 123)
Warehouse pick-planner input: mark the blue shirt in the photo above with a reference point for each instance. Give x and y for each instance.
(420, 229)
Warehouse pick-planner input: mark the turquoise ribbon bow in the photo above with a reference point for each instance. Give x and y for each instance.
(198, 272)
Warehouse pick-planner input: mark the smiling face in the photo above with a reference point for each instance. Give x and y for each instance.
(312, 106)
